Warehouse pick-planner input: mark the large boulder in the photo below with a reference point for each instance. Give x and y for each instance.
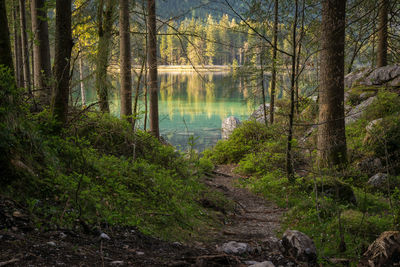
(384, 251)
(258, 114)
(384, 76)
(299, 246)
(379, 180)
(228, 125)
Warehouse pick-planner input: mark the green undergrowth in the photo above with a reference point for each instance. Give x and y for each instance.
(328, 205)
(99, 172)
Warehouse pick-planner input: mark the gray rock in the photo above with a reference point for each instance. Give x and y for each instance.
(379, 180)
(228, 125)
(355, 113)
(104, 236)
(258, 114)
(352, 78)
(51, 244)
(139, 253)
(387, 75)
(371, 125)
(263, 264)
(234, 247)
(62, 235)
(299, 246)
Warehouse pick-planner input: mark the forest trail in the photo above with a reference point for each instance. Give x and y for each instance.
(254, 219)
(253, 222)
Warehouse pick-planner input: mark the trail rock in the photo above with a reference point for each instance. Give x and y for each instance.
(299, 246)
(379, 180)
(355, 113)
(104, 236)
(263, 264)
(228, 125)
(51, 244)
(372, 124)
(384, 251)
(234, 247)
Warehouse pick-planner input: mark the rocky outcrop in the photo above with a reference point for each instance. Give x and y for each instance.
(384, 251)
(229, 125)
(384, 76)
(355, 113)
(299, 246)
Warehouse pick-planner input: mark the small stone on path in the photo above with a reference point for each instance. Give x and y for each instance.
(104, 236)
(263, 264)
(234, 247)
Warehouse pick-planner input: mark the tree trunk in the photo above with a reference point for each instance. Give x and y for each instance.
(19, 76)
(103, 51)
(383, 33)
(273, 74)
(299, 56)
(152, 64)
(331, 130)
(62, 57)
(289, 159)
(24, 41)
(82, 85)
(41, 51)
(125, 60)
(5, 46)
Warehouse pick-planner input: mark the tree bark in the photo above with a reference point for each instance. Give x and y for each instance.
(41, 51)
(273, 74)
(62, 58)
(81, 83)
(103, 51)
(5, 46)
(383, 33)
(125, 60)
(24, 41)
(19, 76)
(152, 64)
(331, 130)
(289, 159)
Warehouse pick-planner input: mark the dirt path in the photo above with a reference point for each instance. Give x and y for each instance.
(254, 221)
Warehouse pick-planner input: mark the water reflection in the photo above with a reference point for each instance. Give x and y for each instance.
(194, 104)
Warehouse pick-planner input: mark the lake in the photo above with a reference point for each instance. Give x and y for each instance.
(194, 105)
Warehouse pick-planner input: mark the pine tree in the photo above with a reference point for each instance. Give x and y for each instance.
(331, 130)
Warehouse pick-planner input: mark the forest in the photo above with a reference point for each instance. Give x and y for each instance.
(200, 133)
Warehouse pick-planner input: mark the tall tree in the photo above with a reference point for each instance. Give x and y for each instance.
(152, 65)
(273, 73)
(289, 160)
(383, 33)
(125, 59)
(5, 47)
(105, 24)
(19, 75)
(41, 50)
(62, 57)
(24, 41)
(331, 130)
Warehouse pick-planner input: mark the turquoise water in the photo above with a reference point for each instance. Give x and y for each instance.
(195, 105)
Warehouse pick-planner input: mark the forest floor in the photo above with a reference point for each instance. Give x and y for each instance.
(253, 221)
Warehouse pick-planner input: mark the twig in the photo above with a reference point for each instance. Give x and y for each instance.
(4, 263)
